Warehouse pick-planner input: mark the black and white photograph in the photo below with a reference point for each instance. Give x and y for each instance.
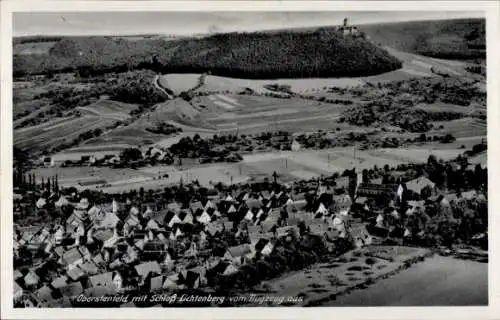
(181, 159)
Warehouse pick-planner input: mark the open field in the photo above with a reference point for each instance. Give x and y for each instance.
(254, 114)
(176, 112)
(57, 131)
(108, 109)
(35, 48)
(460, 128)
(179, 82)
(290, 165)
(321, 282)
(438, 281)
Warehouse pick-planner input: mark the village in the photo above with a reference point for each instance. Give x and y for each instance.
(187, 238)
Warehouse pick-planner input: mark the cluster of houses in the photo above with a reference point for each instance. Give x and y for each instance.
(105, 249)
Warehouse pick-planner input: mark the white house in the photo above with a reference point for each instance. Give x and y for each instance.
(322, 209)
(204, 218)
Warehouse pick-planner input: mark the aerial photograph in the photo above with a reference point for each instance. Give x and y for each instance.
(249, 159)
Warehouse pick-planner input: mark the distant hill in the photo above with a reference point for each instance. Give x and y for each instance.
(245, 55)
(446, 39)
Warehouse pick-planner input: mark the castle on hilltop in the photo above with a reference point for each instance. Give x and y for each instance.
(346, 29)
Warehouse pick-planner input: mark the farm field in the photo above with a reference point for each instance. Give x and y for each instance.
(322, 282)
(55, 132)
(109, 109)
(70, 176)
(179, 82)
(235, 85)
(465, 127)
(254, 114)
(176, 112)
(438, 281)
(290, 165)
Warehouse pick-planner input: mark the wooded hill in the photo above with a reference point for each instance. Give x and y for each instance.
(245, 55)
(446, 39)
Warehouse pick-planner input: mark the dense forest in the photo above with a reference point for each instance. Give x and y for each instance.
(245, 55)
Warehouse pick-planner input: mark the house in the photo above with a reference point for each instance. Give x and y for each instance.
(58, 235)
(71, 290)
(17, 274)
(342, 202)
(416, 185)
(108, 237)
(209, 204)
(107, 220)
(229, 269)
(360, 235)
(72, 258)
(59, 282)
(249, 215)
(117, 280)
(168, 262)
(287, 231)
(17, 292)
(31, 279)
(264, 247)
(342, 182)
(171, 281)
(148, 212)
(469, 195)
(296, 145)
(83, 204)
(174, 207)
(204, 218)
(40, 204)
(201, 271)
(191, 280)
(104, 280)
(195, 206)
(147, 268)
(316, 227)
(238, 254)
(376, 190)
(134, 211)
(156, 283)
(192, 251)
(130, 222)
(94, 212)
(380, 220)
(213, 228)
(75, 273)
(232, 209)
(171, 219)
(89, 268)
(44, 294)
(186, 217)
(62, 201)
(152, 225)
(322, 210)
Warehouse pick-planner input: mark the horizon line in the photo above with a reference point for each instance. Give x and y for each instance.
(111, 34)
